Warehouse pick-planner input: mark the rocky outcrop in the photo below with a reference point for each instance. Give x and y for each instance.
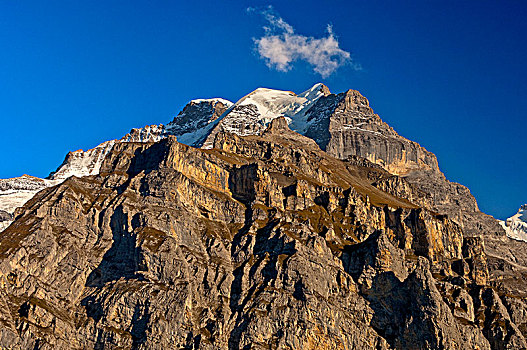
(345, 125)
(260, 242)
(196, 115)
(354, 129)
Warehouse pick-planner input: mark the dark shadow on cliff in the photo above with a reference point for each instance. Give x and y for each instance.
(140, 321)
(391, 305)
(356, 256)
(139, 332)
(421, 243)
(146, 157)
(123, 259)
(149, 159)
(386, 294)
(269, 244)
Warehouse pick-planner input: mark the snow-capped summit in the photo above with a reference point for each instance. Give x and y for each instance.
(271, 104)
(251, 114)
(202, 119)
(516, 225)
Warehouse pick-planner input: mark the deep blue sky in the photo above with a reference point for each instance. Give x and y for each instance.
(448, 74)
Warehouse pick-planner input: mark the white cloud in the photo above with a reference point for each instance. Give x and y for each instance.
(281, 46)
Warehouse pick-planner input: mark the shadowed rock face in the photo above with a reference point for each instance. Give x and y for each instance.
(261, 242)
(196, 115)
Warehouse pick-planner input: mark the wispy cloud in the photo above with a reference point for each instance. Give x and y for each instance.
(280, 46)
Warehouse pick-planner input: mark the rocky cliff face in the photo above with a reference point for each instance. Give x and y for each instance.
(347, 237)
(354, 129)
(262, 241)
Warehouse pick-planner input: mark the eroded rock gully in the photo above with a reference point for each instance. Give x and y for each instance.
(261, 242)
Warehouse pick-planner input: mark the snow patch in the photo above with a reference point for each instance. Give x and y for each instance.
(212, 100)
(253, 112)
(15, 192)
(516, 225)
(82, 163)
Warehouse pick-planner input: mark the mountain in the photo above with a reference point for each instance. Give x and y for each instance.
(516, 225)
(279, 221)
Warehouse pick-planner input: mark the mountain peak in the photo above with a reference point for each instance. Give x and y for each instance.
(318, 87)
(252, 113)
